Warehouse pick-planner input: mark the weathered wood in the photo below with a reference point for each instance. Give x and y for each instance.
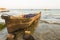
(14, 23)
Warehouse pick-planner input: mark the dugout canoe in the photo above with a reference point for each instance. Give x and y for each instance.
(14, 23)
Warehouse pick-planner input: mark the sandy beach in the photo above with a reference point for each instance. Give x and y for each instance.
(41, 31)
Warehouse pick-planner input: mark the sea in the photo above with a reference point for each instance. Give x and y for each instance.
(42, 31)
(49, 15)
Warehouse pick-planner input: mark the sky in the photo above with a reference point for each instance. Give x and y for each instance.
(30, 4)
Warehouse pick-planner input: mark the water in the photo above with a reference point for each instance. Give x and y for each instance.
(49, 15)
(3, 34)
(42, 30)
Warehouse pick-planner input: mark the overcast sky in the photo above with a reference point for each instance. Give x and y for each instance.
(30, 4)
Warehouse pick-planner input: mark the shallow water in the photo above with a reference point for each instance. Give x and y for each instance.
(52, 15)
(41, 31)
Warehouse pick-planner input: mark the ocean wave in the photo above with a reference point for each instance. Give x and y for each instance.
(55, 21)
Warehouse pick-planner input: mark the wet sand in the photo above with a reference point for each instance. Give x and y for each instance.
(40, 31)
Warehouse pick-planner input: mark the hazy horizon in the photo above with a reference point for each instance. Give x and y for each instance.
(46, 15)
(30, 4)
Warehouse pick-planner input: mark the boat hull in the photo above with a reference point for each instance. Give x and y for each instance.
(14, 24)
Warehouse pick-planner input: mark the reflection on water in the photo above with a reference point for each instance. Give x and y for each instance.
(3, 34)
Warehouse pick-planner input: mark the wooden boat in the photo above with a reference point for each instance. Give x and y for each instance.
(20, 22)
(3, 10)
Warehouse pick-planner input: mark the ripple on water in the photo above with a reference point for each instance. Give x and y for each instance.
(41, 31)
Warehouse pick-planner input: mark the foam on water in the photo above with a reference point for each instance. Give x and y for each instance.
(47, 15)
(43, 31)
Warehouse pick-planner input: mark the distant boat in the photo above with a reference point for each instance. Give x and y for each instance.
(14, 23)
(47, 9)
(3, 10)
